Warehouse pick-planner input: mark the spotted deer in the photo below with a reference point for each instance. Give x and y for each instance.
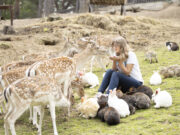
(104, 41)
(64, 68)
(6, 78)
(69, 49)
(30, 91)
(14, 65)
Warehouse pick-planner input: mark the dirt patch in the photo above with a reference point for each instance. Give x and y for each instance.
(141, 33)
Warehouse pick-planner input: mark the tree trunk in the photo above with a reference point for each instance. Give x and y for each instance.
(17, 9)
(49, 6)
(77, 6)
(40, 8)
(1, 3)
(56, 4)
(84, 6)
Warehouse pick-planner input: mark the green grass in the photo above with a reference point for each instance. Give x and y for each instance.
(164, 121)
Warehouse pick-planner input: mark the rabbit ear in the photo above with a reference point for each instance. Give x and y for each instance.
(82, 99)
(114, 91)
(158, 90)
(131, 89)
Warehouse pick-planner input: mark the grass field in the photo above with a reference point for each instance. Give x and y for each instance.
(165, 121)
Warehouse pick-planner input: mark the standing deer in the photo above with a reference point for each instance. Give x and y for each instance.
(64, 68)
(14, 65)
(30, 91)
(6, 78)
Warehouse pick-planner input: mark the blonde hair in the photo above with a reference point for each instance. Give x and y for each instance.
(124, 47)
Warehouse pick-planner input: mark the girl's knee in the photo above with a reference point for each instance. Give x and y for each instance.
(115, 74)
(109, 72)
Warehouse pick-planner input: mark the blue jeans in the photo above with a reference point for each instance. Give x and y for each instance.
(115, 79)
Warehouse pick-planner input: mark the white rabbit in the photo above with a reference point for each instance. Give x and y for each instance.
(119, 104)
(88, 108)
(155, 79)
(90, 79)
(162, 99)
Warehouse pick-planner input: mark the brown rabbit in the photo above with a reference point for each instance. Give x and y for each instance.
(111, 116)
(130, 99)
(102, 101)
(144, 89)
(142, 100)
(101, 113)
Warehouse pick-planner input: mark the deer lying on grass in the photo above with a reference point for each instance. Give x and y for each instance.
(29, 91)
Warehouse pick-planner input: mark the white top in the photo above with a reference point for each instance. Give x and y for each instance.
(136, 72)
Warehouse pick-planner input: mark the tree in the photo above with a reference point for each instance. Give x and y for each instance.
(82, 6)
(17, 9)
(48, 7)
(40, 8)
(1, 3)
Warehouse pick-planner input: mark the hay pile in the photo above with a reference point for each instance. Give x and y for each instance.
(170, 71)
(108, 2)
(98, 21)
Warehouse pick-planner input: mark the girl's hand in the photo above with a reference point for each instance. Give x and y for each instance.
(114, 58)
(111, 58)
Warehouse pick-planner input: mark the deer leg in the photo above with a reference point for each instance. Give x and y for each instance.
(41, 119)
(53, 116)
(3, 108)
(10, 110)
(6, 125)
(36, 109)
(101, 63)
(156, 60)
(31, 113)
(17, 112)
(151, 61)
(92, 60)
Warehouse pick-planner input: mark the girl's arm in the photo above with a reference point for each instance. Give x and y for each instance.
(126, 70)
(114, 63)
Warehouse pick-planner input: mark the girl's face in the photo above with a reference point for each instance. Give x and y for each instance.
(117, 49)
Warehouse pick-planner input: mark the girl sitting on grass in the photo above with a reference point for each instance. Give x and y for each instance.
(125, 72)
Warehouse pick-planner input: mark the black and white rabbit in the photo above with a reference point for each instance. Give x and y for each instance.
(172, 46)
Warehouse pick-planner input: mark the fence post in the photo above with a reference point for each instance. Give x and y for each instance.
(11, 12)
